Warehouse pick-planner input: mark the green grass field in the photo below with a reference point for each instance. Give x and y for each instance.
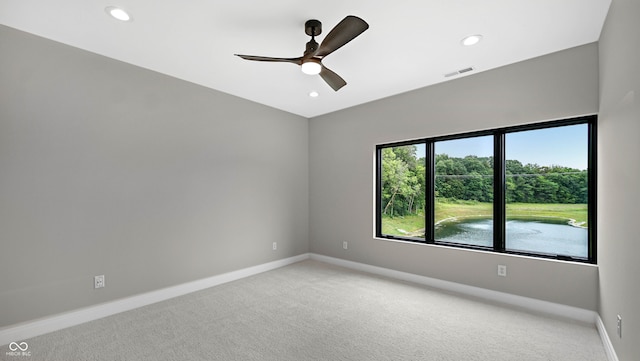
(409, 225)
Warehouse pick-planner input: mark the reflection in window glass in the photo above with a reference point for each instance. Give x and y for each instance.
(547, 191)
(464, 191)
(403, 191)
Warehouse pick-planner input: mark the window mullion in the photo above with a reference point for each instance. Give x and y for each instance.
(430, 195)
(499, 183)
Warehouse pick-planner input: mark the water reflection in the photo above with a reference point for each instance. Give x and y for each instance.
(549, 236)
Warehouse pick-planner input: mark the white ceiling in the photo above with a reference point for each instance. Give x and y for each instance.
(410, 43)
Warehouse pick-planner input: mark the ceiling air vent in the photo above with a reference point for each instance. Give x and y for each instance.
(458, 72)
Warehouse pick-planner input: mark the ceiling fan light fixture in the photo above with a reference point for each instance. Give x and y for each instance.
(311, 60)
(118, 13)
(471, 40)
(311, 67)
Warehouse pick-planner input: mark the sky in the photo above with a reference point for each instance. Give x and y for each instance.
(565, 146)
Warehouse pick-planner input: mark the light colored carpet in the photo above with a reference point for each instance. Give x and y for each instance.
(315, 311)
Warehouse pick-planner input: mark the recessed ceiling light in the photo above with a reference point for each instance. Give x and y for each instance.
(314, 94)
(118, 13)
(471, 40)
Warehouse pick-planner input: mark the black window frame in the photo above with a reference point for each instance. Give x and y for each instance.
(499, 184)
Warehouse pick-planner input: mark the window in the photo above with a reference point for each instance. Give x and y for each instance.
(464, 191)
(523, 190)
(403, 190)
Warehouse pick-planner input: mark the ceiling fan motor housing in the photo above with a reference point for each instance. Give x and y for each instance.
(311, 48)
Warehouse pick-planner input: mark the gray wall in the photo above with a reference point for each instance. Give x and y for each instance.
(559, 85)
(106, 168)
(619, 162)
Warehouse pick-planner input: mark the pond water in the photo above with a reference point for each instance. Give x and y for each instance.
(556, 238)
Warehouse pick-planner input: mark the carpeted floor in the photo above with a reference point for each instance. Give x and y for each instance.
(315, 311)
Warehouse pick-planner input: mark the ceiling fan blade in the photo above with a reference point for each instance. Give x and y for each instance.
(334, 80)
(346, 30)
(266, 58)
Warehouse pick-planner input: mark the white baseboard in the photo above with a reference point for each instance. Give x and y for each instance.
(606, 341)
(54, 323)
(532, 304)
(39, 327)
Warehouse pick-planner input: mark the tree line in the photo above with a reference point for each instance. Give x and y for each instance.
(471, 179)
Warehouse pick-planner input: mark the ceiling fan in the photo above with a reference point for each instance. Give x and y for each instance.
(311, 61)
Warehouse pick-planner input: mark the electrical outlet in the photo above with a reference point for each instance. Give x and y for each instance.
(345, 245)
(98, 281)
(502, 270)
(619, 326)
(275, 246)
